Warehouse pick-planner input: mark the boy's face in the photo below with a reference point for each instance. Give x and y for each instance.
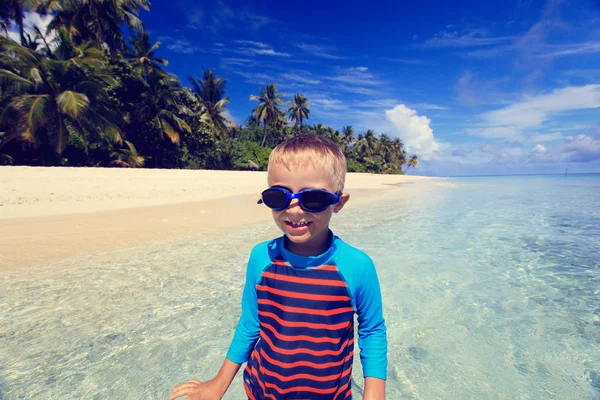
(312, 237)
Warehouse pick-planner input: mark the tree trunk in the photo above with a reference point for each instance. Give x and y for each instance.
(264, 135)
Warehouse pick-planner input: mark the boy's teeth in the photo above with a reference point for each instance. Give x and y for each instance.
(299, 224)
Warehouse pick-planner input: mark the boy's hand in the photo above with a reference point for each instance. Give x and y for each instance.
(197, 390)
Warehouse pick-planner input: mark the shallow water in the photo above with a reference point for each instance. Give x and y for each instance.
(491, 291)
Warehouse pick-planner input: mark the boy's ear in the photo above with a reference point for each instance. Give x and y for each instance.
(344, 197)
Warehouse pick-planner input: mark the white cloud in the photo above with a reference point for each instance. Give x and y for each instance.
(240, 17)
(409, 61)
(427, 106)
(534, 110)
(546, 137)
(356, 89)
(228, 62)
(320, 51)
(497, 132)
(31, 21)
(195, 18)
(570, 49)
(181, 45)
(515, 121)
(473, 38)
(328, 104)
(253, 48)
(355, 76)
(254, 44)
(581, 148)
(414, 130)
(300, 78)
(255, 77)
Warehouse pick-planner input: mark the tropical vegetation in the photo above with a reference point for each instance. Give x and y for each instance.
(79, 95)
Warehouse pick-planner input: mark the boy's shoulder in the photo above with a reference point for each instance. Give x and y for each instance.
(352, 253)
(266, 250)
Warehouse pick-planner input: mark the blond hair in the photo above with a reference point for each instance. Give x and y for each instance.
(313, 150)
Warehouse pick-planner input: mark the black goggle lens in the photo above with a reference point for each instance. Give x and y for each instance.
(274, 198)
(316, 200)
(310, 200)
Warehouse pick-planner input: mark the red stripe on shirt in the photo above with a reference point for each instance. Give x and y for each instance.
(306, 376)
(306, 281)
(305, 296)
(299, 310)
(299, 389)
(341, 389)
(290, 324)
(250, 396)
(300, 337)
(348, 342)
(305, 363)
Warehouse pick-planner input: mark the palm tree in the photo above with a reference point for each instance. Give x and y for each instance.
(160, 104)
(319, 129)
(371, 139)
(398, 148)
(385, 144)
(397, 145)
(366, 144)
(210, 92)
(14, 10)
(128, 157)
(98, 20)
(413, 162)
(52, 99)
(142, 58)
(299, 110)
(267, 111)
(348, 136)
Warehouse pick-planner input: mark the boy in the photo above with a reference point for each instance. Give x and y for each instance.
(296, 331)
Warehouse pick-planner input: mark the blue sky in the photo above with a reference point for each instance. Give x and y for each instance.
(471, 87)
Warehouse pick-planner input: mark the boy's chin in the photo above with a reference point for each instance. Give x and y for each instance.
(299, 239)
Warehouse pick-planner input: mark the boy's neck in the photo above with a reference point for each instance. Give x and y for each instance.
(318, 245)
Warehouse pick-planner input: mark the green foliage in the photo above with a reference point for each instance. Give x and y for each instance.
(354, 166)
(75, 100)
(244, 152)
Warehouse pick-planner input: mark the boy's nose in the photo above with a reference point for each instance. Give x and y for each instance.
(294, 205)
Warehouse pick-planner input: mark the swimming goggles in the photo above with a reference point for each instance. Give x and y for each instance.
(311, 200)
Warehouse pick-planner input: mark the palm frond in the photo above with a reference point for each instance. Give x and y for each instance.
(72, 103)
(14, 83)
(168, 129)
(32, 110)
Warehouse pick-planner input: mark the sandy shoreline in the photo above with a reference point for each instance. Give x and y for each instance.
(52, 213)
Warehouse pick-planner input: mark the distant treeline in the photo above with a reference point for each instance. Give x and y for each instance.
(86, 97)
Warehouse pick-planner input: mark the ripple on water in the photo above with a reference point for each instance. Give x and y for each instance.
(490, 291)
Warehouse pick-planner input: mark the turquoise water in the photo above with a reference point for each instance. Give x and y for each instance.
(491, 290)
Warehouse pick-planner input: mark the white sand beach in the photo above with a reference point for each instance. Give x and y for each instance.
(57, 212)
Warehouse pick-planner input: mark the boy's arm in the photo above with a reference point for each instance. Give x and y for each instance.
(213, 389)
(244, 339)
(372, 338)
(374, 389)
(248, 328)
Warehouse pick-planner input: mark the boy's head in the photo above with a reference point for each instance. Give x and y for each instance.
(307, 162)
(311, 150)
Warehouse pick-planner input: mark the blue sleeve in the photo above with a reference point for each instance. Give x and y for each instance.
(248, 328)
(372, 339)
(360, 274)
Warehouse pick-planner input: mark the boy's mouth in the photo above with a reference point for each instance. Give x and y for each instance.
(297, 225)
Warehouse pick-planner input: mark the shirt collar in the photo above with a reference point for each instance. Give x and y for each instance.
(298, 261)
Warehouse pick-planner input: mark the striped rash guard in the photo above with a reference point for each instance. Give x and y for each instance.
(296, 331)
